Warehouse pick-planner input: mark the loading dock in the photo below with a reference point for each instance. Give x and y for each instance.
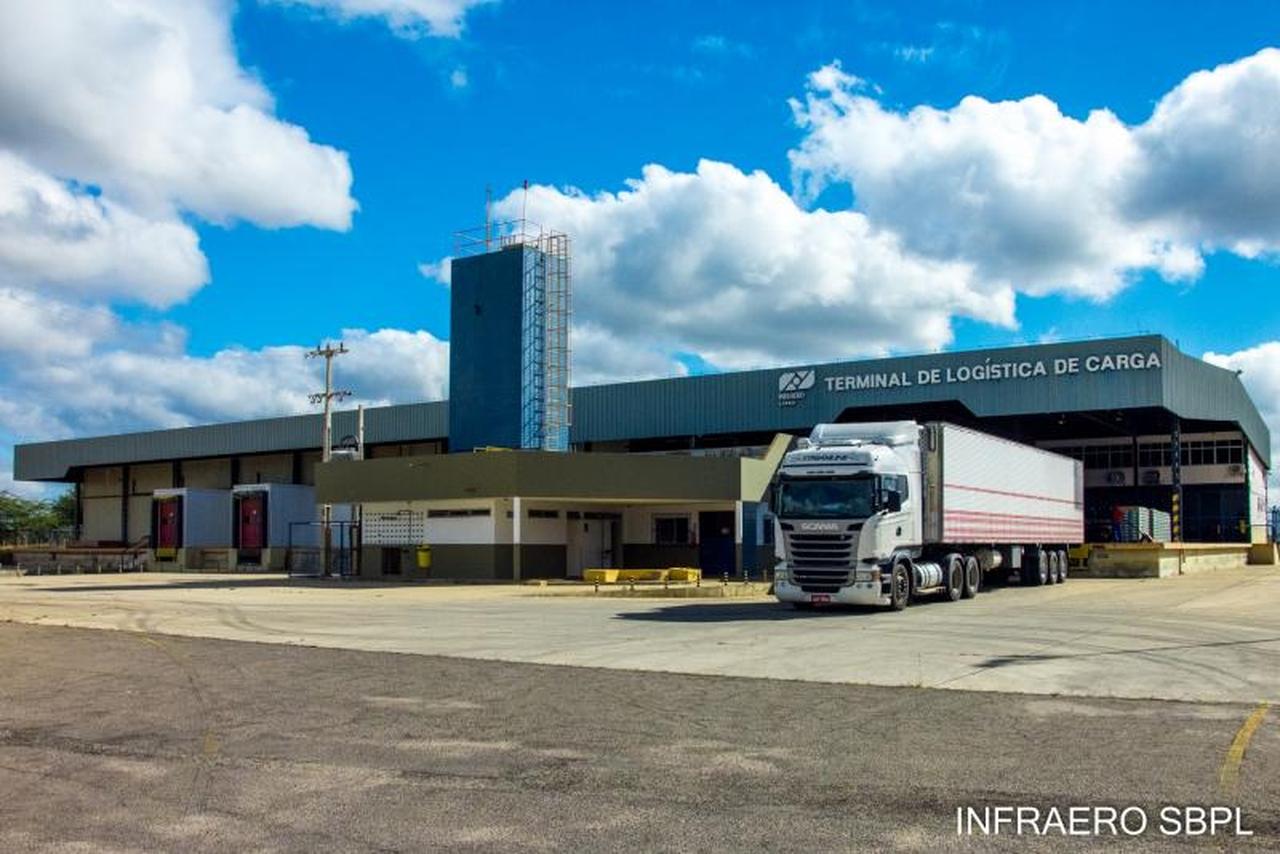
(269, 519)
(187, 524)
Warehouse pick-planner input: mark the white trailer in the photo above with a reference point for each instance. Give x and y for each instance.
(880, 513)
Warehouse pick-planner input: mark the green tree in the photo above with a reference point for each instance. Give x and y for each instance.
(34, 520)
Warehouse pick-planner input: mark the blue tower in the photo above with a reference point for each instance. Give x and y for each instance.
(509, 340)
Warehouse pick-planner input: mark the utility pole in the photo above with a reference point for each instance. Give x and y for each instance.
(328, 352)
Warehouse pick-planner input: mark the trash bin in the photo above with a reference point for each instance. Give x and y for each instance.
(424, 557)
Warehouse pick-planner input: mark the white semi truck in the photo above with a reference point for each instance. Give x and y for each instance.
(880, 513)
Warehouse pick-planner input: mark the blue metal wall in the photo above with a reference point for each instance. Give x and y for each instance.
(485, 350)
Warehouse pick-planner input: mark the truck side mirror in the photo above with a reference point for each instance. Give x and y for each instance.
(893, 501)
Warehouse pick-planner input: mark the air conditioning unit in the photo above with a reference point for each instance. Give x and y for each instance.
(1235, 469)
(1116, 477)
(1151, 477)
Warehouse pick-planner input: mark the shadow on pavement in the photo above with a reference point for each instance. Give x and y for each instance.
(745, 612)
(204, 584)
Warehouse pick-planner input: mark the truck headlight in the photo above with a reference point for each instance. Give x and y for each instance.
(780, 572)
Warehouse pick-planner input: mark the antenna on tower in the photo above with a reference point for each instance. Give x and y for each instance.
(524, 203)
(488, 216)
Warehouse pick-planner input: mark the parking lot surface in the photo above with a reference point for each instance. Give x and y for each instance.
(1209, 637)
(122, 741)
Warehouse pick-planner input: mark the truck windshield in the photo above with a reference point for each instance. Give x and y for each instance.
(848, 498)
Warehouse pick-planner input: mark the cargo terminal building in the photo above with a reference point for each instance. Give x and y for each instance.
(1153, 427)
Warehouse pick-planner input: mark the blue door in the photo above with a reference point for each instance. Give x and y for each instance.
(716, 542)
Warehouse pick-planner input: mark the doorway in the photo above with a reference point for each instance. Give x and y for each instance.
(589, 544)
(168, 539)
(251, 527)
(716, 542)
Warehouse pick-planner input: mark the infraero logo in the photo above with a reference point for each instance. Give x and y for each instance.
(792, 385)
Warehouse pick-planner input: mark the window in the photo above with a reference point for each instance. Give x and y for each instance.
(671, 530)
(850, 498)
(1154, 454)
(452, 514)
(897, 483)
(544, 514)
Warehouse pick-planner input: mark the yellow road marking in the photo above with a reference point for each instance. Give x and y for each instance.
(1229, 776)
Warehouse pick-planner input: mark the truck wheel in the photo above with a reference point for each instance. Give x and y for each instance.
(900, 587)
(1064, 563)
(955, 578)
(1055, 568)
(972, 577)
(1040, 568)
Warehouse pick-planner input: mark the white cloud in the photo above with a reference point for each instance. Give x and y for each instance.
(437, 271)
(715, 44)
(1259, 368)
(600, 356)
(1027, 195)
(146, 99)
(50, 394)
(1051, 203)
(54, 236)
(33, 324)
(1211, 166)
(407, 18)
(458, 78)
(724, 264)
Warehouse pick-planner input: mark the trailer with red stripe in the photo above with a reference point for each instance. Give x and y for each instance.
(886, 512)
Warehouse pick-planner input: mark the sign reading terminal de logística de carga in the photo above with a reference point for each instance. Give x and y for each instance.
(793, 385)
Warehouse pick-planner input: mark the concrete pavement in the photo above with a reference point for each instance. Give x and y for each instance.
(1210, 637)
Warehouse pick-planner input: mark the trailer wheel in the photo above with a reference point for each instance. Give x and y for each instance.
(1055, 568)
(972, 577)
(1064, 563)
(954, 581)
(1040, 568)
(900, 587)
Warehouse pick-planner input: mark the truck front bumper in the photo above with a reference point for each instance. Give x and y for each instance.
(858, 593)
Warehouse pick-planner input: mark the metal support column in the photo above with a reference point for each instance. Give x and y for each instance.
(126, 490)
(1175, 468)
(517, 516)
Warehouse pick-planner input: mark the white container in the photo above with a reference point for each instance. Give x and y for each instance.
(984, 489)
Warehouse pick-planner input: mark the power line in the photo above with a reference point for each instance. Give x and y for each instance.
(327, 397)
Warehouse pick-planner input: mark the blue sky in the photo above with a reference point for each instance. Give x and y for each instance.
(193, 193)
(584, 94)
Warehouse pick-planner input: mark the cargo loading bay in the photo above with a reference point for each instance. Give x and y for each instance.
(1153, 427)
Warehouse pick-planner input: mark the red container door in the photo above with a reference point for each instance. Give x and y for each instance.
(168, 526)
(253, 520)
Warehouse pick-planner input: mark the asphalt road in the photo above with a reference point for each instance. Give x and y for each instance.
(123, 741)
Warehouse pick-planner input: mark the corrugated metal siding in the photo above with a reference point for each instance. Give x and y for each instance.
(748, 401)
(1195, 389)
(729, 403)
(52, 460)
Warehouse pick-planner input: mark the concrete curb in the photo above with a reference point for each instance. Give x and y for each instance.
(733, 590)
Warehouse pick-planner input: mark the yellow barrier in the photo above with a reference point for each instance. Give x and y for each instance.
(622, 576)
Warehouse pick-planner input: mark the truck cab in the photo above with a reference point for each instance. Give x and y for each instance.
(847, 503)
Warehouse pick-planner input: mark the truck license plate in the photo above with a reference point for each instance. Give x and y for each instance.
(820, 598)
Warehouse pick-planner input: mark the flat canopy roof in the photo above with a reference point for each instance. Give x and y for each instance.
(1110, 375)
(549, 475)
